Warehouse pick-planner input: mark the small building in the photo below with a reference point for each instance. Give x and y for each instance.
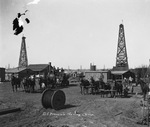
(92, 67)
(119, 75)
(2, 74)
(19, 72)
(105, 75)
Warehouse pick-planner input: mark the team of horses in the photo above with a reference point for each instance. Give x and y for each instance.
(113, 88)
(28, 83)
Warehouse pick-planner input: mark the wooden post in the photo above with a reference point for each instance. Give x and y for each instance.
(143, 109)
(148, 115)
(9, 110)
(148, 102)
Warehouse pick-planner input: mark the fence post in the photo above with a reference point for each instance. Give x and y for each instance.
(148, 103)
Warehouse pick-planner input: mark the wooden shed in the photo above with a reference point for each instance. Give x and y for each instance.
(123, 74)
(20, 72)
(105, 75)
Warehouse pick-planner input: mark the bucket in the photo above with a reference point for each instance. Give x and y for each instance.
(54, 99)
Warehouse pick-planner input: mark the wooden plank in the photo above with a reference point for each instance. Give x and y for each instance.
(118, 113)
(9, 110)
(107, 90)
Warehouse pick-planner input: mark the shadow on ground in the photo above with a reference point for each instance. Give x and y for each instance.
(67, 106)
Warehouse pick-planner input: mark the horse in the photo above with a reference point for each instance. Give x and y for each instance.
(113, 89)
(83, 86)
(25, 85)
(15, 82)
(29, 84)
(106, 87)
(95, 84)
(100, 84)
(118, 88)
(144, 87)
(18, 82)
(43, 82)
(65, 81)
(32, 84)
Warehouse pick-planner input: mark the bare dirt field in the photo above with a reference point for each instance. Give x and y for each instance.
(79, 110)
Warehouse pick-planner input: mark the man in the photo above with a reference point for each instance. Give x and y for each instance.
(82, 85)
(125, 87)
(32, 83)
(131, 84)
(14, 86)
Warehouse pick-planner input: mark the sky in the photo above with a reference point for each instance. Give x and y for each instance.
(75, 33)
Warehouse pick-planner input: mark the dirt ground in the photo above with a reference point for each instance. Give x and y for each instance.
(79, 110)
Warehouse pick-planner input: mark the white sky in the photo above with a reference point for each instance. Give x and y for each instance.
(76, 32)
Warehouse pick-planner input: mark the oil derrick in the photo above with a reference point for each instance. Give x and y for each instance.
(23, 61)
(121, 58)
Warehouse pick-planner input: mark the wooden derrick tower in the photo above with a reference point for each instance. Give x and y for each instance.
(23, 61)
(121, 58)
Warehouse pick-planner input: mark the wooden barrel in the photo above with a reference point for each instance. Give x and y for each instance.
(54, 99)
